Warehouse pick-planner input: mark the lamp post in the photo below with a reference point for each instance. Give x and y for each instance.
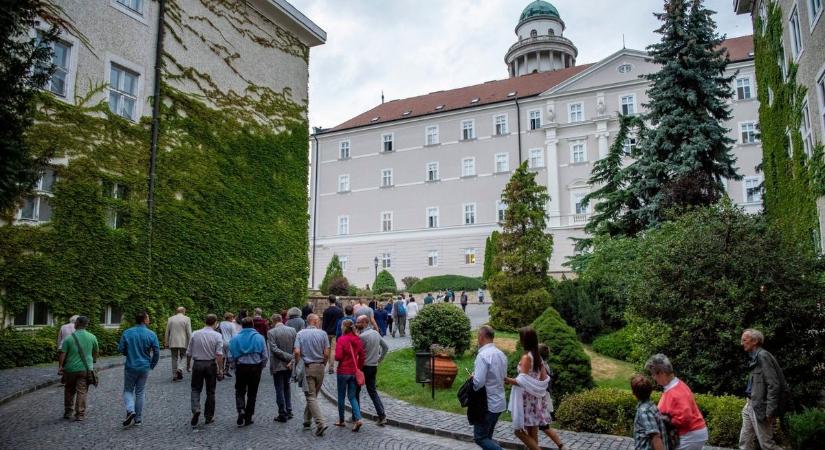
(375, 261)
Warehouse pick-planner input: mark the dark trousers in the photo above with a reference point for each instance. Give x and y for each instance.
(204, 372)
(483, 432)
(247, 378)
(370, 373)
(282, 395)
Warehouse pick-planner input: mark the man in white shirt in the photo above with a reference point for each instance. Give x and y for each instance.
(206, 349)
(412, 309)
(489, 373)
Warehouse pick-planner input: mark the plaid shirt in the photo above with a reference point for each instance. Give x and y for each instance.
(647, 423)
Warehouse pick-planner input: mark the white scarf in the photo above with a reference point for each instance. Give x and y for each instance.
(533, 387)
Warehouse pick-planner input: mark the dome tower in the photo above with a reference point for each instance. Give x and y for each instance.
(541, 45)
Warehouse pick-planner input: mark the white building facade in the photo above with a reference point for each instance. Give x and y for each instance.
(414, 185)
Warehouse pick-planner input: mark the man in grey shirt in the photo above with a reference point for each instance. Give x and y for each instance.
(206, 349)
(312, 347)
(362, 309)
(376, 349)
(281, 340)
(767, 391)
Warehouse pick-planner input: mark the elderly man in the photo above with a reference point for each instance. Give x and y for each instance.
(178, 334)
(766, 391)
(312, 348)
(295, 321)
(66, 330)
(77, 357)
(247, 350)
(489, 372)
(376, 349)
(228, 330)
(281, 340)
(206, 349)
(259, 323)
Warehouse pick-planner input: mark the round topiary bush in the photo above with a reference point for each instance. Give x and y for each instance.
(571, 366)
(338, 286)
(441, 323)
(384, 282)
(615, 345)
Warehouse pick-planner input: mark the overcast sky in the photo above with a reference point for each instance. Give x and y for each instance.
(412, 47)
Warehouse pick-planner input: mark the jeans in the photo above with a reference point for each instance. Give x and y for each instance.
(370, 373)
(247, 378)
(282, 395)
(134, 386)
(483, 432)
(346, 388)
(204, 371)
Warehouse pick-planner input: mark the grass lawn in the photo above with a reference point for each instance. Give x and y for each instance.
(609, 372)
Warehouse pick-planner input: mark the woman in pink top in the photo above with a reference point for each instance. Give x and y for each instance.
(677, 405)
(350, 354)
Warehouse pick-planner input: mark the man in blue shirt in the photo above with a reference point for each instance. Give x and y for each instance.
(142, 350)
(248, 352)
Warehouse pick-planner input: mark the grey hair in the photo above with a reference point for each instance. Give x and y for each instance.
(258, 311)
(659, 363)
(276, 318)
(756, 335)
(73, 318)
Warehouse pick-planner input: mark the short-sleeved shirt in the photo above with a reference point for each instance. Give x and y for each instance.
(206, 344)
(88, 345)
(647, 423)
(364, 310)
(312, 342)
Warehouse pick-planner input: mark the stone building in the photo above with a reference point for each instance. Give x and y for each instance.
(413, 185)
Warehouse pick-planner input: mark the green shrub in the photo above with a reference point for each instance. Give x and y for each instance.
(441, 323)
(409, 282)
(352, 291)
(107, 339)
(615, 345)
(611, 411)
(384, 283)
(334, 270)
(571, 366)
(338, 286)
(444, 282)
(807, 429)
(579, 306)
(23, 348)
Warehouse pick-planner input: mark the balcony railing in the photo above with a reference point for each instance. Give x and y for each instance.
(539, 40)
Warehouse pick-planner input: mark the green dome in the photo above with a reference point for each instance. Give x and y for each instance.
(539, 8)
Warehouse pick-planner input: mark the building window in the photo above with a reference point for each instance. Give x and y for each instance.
(578, 152)
(535, 119)
(386, 140)
(468, 129)
(469, 214)
(783, 62)
(432, 171)
(628, 103)
(743, 88)
(502, 162)
(343, 183)
(432, 258)
(134, 5)
(536, 158)
(123, 85)
(580, 208)
(386, 260)
(37, 206)
(469, 256)
(629, 145)
(753, 189)
(624, 68)
(805, 129)
(115, 190)
(814, 10)
(501, 209)
(747, 132)
(386, 221)
(115, 219)
(534, 33)
(343, 150)
(432, 217)
(500, 124)
(343, 225)
(431, 135)
(820, 89)
(343, 260)
(468, 167)
(57, 84)
(36, 313)
(386, 177)
(576, 112)
(111, 315)
(796, 33)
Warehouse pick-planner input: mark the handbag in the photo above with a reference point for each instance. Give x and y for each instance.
(359, 374)
(91, 375)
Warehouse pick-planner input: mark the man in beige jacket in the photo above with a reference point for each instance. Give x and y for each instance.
(178, 334)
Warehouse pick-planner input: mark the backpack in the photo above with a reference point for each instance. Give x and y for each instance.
(400, 308)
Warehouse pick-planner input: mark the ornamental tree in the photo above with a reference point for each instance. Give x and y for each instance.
(334, 270)
(384, 283)
(489, 255)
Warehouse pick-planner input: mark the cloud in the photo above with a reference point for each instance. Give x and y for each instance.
(411, 47)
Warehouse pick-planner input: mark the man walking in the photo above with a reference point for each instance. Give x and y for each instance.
(312, 348)
(259, 323)
(332, 315)
(347, 315)
(295, 321)
(428, 299)
(206, 349)
(66, 330)
(77, 357)
(376, 349)
(399, 317)
(178, 334)
(142, 350)
(480, 296)
(228, 329)
(281, 341)
(490, 370)
(766, 392)
(248, 352)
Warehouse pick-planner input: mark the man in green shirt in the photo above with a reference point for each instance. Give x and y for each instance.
(78, 347)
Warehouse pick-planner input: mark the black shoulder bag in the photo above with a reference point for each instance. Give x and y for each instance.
(91, 375)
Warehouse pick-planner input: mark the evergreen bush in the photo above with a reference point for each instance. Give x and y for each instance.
(616, 345)
(338, 286)
(444, 282)
(489, 256)
(23, 348)
(443, 324)
(384, 283)
(807, 429)
(571, 366)
(334, 270)
(578, 304)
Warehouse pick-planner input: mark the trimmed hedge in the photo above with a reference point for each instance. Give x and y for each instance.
(23, 348)
(611, 411)
(441, 323)
(444, 282)
(384, 283)
(616, 345)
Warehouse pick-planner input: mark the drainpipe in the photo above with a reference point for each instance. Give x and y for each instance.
(518, 128)
(314, 203)
(153, 149)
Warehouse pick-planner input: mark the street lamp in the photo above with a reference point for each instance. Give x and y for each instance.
(376, 266)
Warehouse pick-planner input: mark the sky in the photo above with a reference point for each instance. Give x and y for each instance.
(412, 47)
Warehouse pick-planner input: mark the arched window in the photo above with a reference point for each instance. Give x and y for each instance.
(551, 32)
(534, 33)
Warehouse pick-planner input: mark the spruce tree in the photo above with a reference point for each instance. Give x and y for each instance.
(334, 270)
(519, 287)
(489, 255)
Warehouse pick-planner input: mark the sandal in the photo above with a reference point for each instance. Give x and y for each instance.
(357, 426)
(340, 424)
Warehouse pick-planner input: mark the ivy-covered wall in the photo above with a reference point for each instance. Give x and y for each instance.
(791, 186)
(230, 222)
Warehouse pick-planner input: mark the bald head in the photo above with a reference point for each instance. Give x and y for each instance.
(181, 310)
(313, 320)
(362, 322)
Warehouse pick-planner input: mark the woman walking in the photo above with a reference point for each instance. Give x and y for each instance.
(528, 405)
(677, 405)
(349, 352)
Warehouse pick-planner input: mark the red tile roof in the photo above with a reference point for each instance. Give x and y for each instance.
(739, 49)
